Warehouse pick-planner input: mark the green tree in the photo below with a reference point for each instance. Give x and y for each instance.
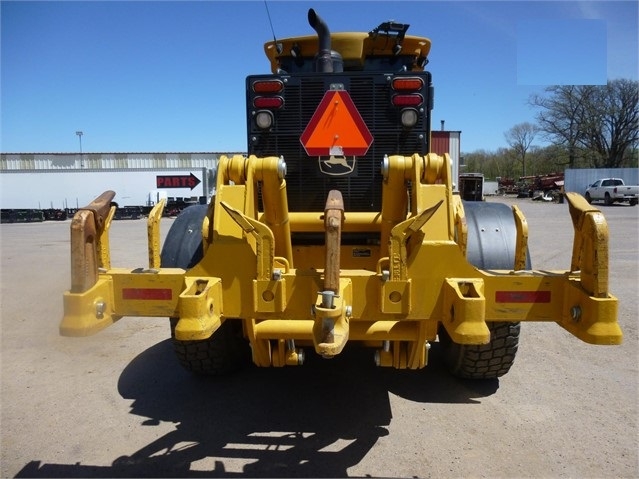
(597, 122)
(520, 138)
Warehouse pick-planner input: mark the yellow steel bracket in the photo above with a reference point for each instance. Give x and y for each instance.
(521, 242)
(464, 311)
(395, 290)
(89, 242)
(269, 287)
(461, 227)
(153, 233)
(590, 245)
(271, 171)
(88, 304)
(103, 245)
(591, 319)
(90, 311)
(264, 240)
(200, 309)
(331, 323)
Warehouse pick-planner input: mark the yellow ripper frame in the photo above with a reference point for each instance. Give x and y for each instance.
(397, 292)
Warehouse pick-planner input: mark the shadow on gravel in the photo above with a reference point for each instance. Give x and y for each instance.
(316, 420)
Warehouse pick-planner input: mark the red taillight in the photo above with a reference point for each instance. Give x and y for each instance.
(268, 102)
(268, 86)
(407, 84)
(412, 99)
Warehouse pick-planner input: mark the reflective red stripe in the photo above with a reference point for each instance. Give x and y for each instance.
(147, 293)
(522, 296)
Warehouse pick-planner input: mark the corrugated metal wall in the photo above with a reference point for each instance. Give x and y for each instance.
(105, 161)
(442, 141)
(578, 180)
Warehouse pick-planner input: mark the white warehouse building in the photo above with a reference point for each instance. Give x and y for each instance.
(72, 180)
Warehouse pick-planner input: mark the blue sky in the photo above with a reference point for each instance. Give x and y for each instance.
(159, 76)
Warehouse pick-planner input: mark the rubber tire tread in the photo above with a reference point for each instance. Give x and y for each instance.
(183, 244)
(226, 350)
(485, 361)
(492, 360)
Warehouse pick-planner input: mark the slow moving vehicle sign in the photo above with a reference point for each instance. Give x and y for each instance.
(336, 128)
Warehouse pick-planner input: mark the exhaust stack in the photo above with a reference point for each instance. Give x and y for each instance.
(323, 59)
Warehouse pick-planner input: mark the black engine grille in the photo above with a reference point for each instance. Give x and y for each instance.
(307, 186)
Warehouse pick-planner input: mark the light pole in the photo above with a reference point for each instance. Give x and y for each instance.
(79, 133)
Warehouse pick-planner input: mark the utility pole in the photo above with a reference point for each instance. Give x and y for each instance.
(79, 133)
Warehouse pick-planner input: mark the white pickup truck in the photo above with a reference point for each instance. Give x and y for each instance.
(612, 190)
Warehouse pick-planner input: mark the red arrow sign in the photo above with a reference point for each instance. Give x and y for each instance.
(177, 181)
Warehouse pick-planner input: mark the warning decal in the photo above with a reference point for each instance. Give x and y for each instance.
(336, 128)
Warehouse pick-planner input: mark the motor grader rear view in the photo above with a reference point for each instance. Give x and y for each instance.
(341, 228)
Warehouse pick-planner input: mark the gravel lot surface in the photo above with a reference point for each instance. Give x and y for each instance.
(118, 405)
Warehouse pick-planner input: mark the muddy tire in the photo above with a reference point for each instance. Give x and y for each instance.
(226, 350)
(491, 245)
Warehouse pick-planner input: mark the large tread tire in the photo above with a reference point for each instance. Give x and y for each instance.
(226, 350)
(486, 361)
(491, 245)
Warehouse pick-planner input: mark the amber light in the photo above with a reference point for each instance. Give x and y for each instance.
(268, 102)
(407, 84)
(268, 86)
(413, 99)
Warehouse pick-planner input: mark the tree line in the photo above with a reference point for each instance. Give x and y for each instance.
(583, 126)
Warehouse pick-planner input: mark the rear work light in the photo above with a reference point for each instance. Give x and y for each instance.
(268, 102)
(264, 119)
(412, 99)
(408, 84)
(268, 86)
(409, 117)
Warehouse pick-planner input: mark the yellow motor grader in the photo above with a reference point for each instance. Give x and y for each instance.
(340, 227)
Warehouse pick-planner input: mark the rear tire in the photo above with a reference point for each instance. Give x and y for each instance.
(183, 244)
(226, 350)
(491, 245)
(485, 361)
(608, 200)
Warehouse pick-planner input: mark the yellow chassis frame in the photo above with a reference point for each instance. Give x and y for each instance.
(392, 295)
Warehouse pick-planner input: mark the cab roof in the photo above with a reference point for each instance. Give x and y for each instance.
(354, 47)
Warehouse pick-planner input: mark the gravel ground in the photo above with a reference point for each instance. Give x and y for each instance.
(118, 405)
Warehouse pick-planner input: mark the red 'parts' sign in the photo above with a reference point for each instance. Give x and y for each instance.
(336, 128)
(177, 181)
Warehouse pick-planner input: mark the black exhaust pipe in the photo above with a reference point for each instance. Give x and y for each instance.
(323, 59)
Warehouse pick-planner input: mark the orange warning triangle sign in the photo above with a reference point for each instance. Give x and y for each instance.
(336, 128)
